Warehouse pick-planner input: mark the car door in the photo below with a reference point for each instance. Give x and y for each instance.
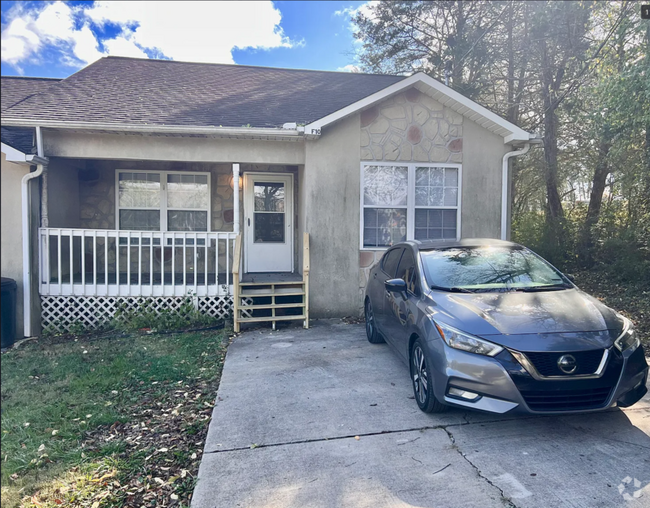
(386, 272)
(401, 307)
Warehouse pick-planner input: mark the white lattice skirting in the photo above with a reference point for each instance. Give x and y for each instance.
(59, 313)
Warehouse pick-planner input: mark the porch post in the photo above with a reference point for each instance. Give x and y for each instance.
(235, 198)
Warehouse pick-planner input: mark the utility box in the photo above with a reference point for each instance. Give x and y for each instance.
(8, 312)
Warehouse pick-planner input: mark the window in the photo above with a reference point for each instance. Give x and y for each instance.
(163, 201)
(409, 201)
(389, 262)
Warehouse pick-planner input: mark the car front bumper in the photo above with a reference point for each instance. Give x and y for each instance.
(504, 385)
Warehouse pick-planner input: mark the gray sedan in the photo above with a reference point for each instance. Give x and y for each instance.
(490, 325)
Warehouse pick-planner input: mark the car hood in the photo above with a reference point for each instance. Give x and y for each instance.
(553, 316)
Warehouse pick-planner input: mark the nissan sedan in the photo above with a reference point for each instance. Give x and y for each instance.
(490, 325)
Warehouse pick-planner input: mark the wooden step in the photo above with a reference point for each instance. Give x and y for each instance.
(272, 293)
(271, 306)
(270, 318)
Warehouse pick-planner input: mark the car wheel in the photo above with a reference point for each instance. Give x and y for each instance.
(423, 381)
(371, 325)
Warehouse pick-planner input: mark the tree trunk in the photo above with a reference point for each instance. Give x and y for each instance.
(554, 210)
(586, 250)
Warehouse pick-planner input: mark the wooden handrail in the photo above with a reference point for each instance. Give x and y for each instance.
(305, 275)
(235, 283)
(236, 255)
(305, 253)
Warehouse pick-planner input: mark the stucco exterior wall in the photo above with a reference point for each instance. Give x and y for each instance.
(12, 232)
(329, 212)
(481, 195)
(168, 148)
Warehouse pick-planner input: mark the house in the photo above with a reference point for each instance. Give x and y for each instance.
(151, 179)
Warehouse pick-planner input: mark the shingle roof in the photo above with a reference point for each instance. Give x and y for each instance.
(164, 92)
(16, 89)
(21, 138)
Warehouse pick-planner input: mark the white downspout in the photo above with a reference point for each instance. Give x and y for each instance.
(505, 187)
(235, 198)
(27, 265)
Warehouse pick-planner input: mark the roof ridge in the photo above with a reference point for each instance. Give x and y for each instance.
(161, 60)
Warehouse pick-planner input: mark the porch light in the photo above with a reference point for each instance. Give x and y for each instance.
(232, 182)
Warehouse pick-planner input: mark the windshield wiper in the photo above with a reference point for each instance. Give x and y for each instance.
(451, 289)
(550, 287)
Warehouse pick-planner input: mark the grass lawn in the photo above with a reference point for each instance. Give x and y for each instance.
(97, 422)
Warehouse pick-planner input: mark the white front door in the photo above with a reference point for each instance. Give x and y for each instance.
(268, 222)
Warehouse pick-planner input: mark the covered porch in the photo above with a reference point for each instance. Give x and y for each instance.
(116, 232)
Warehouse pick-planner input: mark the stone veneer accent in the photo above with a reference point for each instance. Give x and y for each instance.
(413, 127)
(410, 127)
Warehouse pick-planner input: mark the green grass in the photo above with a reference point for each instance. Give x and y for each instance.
(73, 409)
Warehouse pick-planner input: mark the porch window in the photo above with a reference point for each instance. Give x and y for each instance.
(163, 201)
(409, 201)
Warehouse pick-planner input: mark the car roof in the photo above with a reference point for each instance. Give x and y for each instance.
(424, 245)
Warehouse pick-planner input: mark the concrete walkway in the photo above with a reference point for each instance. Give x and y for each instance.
(322, 418)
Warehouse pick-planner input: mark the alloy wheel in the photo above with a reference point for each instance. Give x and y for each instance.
(420, 375)
(370, 320)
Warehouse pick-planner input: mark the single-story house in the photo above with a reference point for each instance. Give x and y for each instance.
(139, 179)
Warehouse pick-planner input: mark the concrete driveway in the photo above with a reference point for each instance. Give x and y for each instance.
(322, 418)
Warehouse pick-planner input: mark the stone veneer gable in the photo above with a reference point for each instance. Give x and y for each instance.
(413, 127)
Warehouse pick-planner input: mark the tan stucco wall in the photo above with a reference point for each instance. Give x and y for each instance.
(11, 231)
(329, 212)
(167, 148)
(481, 198)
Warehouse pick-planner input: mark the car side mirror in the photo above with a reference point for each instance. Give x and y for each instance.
(570, 277)
(396, 286)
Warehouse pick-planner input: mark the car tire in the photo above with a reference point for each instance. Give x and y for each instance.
(374, 337)
(423, 380)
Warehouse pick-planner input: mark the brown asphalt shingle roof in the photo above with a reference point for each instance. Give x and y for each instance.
(164, 92)
(13, 91)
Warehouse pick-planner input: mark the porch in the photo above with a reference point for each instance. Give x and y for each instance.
(117, 233)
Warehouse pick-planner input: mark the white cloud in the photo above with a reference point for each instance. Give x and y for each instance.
(348, 68)
(192, 31)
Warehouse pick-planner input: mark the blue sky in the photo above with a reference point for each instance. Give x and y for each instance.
(55, 39)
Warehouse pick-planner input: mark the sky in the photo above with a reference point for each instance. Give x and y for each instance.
(55, 38)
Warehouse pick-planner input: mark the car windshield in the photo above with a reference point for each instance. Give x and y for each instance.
(489, 269)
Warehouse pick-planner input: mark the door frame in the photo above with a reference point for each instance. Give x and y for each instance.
(249, 210)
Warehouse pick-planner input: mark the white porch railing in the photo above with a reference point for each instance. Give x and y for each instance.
(100, 262)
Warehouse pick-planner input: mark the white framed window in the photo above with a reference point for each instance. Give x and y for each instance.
(149, 200)
(414, 201)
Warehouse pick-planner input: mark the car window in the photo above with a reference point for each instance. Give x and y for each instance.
(489, 268)
(407, 271)
(390, 260)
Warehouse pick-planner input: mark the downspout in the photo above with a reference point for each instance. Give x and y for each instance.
(27, 264)
(505, 187)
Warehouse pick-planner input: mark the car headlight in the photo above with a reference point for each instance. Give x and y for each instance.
(628, 339)
(459, 340)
